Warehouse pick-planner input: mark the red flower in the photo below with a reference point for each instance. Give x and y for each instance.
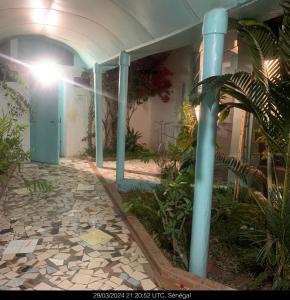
(165, 98)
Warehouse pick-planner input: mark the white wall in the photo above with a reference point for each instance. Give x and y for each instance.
(75, 117)
(141, 121)
(180, 62)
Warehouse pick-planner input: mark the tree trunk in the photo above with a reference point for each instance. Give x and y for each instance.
(106, 124)
(91, 119)
(112, 107)
(240, 154)
(131, 108)
(269, 174)
(286, 181)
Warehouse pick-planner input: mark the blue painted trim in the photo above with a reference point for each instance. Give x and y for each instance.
(128, 185)
(98, 100)
(215, 21)
(61, 100)
(124, 62)
(214, 29)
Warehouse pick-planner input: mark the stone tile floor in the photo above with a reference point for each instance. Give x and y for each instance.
(134, 169)
(70, 238)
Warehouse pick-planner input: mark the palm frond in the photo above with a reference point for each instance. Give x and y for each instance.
(38, 185)
(5, 125)
(284, 42)
(270, 109)
(263, 45)
(246, 172)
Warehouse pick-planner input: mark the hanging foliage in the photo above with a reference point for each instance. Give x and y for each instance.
(148, 77)
(17, 104)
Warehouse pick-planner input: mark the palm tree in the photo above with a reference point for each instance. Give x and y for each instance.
(265, 93)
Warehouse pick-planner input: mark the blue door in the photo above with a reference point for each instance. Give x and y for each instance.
(44, 123)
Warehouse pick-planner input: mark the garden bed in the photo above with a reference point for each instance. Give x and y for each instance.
(225, 264)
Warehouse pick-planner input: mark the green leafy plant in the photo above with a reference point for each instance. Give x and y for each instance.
(38, 185)
(145, 207)
(251, 175)
(133, 146)
(168, 214)
(171, 161)
(186, 139)
(17, 104)
(11, 134)
(11, 150)
(132, 140)
(175, 209)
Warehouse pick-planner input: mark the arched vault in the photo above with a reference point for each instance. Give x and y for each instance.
(100, 29)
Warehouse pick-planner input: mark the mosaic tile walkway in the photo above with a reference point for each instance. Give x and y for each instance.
(134, 169)
(70, 238)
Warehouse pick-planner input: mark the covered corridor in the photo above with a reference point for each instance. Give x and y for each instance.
(56, 240)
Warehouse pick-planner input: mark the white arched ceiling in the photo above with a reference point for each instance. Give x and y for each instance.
(99, 29)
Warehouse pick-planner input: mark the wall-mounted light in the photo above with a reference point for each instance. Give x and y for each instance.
(47, 72)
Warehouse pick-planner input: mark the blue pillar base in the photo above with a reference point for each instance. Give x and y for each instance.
(128, 185)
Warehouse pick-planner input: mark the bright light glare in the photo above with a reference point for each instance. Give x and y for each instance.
(45, 17)
(47, 72)
(38, 16)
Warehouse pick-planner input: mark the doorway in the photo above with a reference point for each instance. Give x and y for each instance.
(44, 122)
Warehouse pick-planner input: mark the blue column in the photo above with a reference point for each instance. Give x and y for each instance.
(61, 105)
(124, 62)
(98, 114)
(214, 30)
